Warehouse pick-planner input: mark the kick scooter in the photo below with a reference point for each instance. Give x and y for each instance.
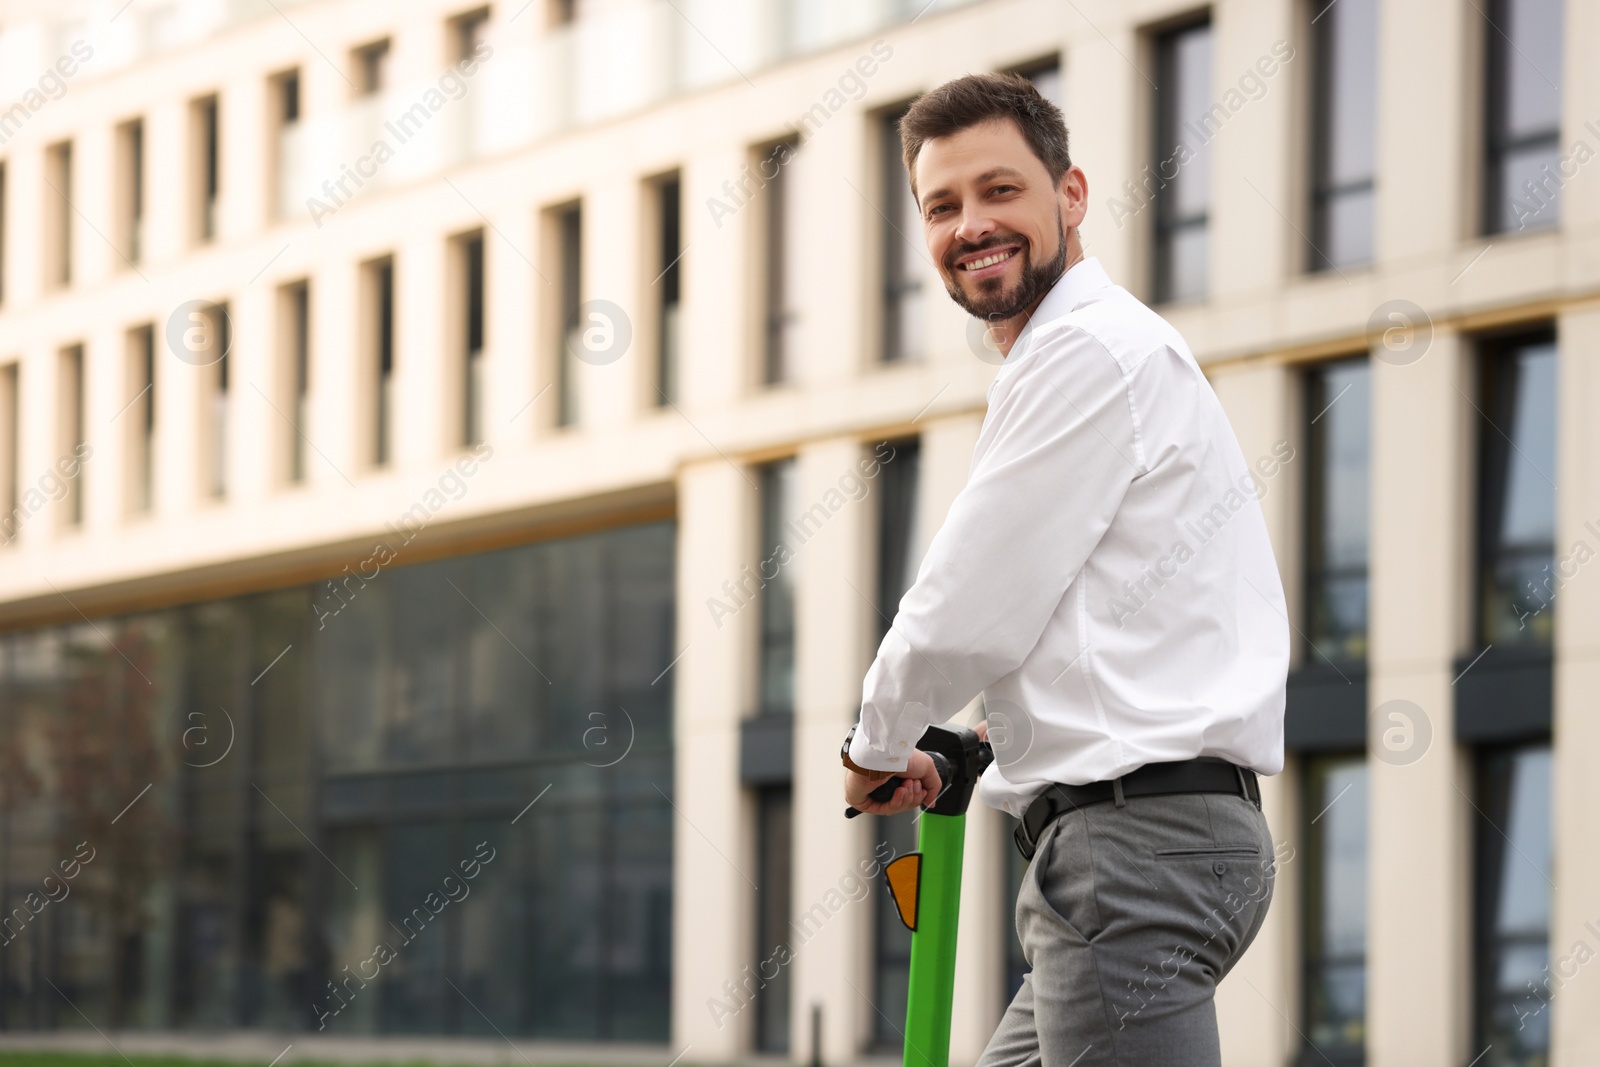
(926, 887)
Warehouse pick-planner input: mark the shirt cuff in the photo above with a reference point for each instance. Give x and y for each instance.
(894, 751)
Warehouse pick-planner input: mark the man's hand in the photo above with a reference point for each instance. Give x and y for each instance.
(920, 788)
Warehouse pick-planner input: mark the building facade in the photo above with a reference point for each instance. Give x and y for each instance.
(458, 461)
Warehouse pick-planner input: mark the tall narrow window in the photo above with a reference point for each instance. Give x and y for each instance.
(70, 426)
(901, 235)
(10, 411)
(3, 214)
(378, 305)
(775, 672)
(1344, 127)
(668, 288)
(140, 415)
(468, 31)
(1338, 479)
(1513, 985)
(778, 314)
(58, 214)
(469, 249)
(1334, 809)
(294, 310)
(205, 119)
(1517, 502)
(130, 189)
(1184, 128)
(897, 568)
(569, 342)
(1524, 39)
(216, 401)
(284, 146)
(1046, 77)
(372, 68)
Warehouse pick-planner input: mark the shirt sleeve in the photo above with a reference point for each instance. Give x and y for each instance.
(1056, 454)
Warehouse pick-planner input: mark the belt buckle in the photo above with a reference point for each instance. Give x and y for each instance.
(1025, 845)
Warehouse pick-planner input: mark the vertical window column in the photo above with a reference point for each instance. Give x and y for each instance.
(70, 427)
(668, 288)
(10, 439)
(130, 190)
(1344, 133)
(1183, 163)
(1522, 121)
(377, 304)
(469, 257)
(215, 401)
(285, 147)
(204, 119)
(1334, 908)
(58, 215)
(902, 245)
(294, 377)
(140, 412)
(568, 224)
(778, 269)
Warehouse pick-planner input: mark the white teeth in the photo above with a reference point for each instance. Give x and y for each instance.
(989, 261)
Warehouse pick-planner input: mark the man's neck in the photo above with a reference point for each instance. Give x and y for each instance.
(1005, 334)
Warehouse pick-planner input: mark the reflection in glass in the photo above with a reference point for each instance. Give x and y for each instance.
(1513, 986)
(1335, 810)
(1338, 476)
(1343, 160)
(1524, 39)
(1184, 129)
(1516, 514)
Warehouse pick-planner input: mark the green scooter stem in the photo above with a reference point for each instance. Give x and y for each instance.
(931, 997)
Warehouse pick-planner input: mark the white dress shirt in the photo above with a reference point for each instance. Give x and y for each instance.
(1104, 578)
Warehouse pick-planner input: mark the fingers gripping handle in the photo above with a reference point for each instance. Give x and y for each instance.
(959, 757)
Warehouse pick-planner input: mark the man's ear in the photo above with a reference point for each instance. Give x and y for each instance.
(1074, 190)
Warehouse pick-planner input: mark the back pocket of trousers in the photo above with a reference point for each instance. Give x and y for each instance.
(1209, 850)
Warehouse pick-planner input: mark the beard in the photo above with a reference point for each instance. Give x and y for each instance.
(994, 304)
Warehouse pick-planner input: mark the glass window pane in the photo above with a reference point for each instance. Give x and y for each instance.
(778, 503)
(1531, 46)
(1512, 914)
(1335, 810)
(1184, 128)
(1338, 402)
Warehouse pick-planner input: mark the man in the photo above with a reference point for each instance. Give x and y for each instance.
(1106, 581)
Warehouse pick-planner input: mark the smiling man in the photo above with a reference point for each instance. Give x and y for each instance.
(1105, 580)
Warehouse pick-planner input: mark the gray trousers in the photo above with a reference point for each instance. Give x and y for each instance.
(1129, 917)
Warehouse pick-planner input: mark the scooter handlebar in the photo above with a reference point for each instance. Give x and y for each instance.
(959, 757)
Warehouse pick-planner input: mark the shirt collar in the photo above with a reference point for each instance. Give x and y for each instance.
(1070, 292)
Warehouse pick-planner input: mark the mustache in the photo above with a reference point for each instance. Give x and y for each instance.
(996, 241)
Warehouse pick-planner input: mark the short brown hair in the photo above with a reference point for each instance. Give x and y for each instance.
(965, 102)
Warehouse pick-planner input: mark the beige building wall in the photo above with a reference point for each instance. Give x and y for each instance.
(1264, 320)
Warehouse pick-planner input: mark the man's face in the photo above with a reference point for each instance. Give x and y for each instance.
(994, 222)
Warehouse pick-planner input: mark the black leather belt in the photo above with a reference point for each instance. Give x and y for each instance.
(1204, 774)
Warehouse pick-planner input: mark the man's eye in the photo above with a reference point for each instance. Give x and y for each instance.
(937, 209)
(1004, 189)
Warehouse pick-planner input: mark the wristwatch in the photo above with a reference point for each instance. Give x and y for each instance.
(844, 754)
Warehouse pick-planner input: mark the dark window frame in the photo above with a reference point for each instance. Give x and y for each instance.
(1166, 227)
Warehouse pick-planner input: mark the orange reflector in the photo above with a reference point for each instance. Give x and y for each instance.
(904, 876)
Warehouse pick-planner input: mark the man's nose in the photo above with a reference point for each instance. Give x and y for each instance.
(976, 224)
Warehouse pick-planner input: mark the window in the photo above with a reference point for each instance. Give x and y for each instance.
(468, 31)
(10, 411)
(377, 293)
(560, 13)
(779, 501)
(1338, 476)
(1184, 127)
(469, 253)
(130, 190)
(1512, 986)
(204, 118)
(140, 411)
(1344, 120)
(897, 569)
(58, 215)
(569, 339)
(903, 254)
(1524, 39)
(215, 401)
(294, 341)
(668, 288)
(1517, 500)
(1334, 810)
(70, 426)
(372, 68)
(1046, 77)
(284, 144)
(774, 861)
(779, 270)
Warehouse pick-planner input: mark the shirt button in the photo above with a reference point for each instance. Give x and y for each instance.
(902, 744)
(894, 759)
